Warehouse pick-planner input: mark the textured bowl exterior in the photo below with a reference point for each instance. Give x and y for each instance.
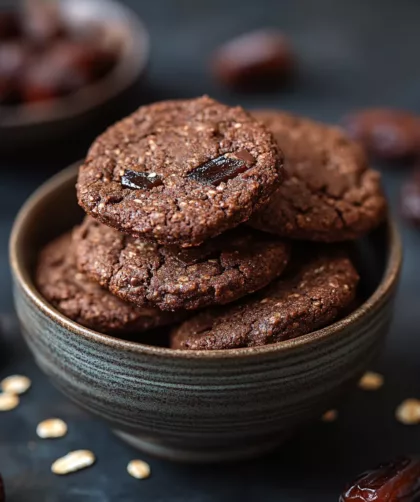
(194, 405)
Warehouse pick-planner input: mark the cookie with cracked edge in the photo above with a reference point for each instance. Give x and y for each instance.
(180, 172)
(315, 291)
(329, 194)
(85, 302)
(219, 271)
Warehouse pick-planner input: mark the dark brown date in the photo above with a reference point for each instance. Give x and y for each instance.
(61, 70)
(222, 168)
(385, 133)
(2, 492)
(104, 46)
(189, 256)
(396, 481)
(41, 21)
(140, 181)
(59, 59)
(42, 82)
(9, 25)
(410, 198)
(71, 55)
(261, 58)
(12, 61)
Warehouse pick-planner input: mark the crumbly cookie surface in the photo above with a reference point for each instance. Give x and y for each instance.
(180, 172)
(219, 271)
(85, 302)
(329, 193)
(314, 293)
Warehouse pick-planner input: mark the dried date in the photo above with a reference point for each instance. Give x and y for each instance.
(385, 133)
(58, 58)
(2, 492)
(222, 168)
(61, 70)
(260, 58)
(396, 481)
(41, 21)
(9, 25)
(410, 198)
(140, 181)
(12, 62)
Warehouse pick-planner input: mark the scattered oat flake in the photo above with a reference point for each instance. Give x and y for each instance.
(371, 381)
(16, 384)
(138, 469)
(51, 428)
(73, 461)
(330, 416)
(408, 412)
(8, 401)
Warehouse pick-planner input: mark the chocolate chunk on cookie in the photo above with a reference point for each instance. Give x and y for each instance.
(330, 193)
(314, 293)
(219, 271)
(85, 302)
(180, 172)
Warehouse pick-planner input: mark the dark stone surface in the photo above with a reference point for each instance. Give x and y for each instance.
(352, 54)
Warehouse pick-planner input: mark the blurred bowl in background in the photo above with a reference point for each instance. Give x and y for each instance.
(44, 121)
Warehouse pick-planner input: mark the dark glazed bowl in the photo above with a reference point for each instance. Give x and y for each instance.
(196, 405)
(29, 123)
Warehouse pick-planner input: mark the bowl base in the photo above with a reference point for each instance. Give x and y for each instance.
(203, 455)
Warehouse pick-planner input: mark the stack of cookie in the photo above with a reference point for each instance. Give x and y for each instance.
(202, 211)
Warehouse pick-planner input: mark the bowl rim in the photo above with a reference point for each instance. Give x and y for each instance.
(22, 276)
(93, 95)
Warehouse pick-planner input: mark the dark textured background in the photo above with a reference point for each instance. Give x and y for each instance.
(351, 54)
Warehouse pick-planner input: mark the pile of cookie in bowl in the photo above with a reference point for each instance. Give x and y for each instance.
(230, 228)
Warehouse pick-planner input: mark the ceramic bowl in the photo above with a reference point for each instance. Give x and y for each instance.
(196, 405)
(31, 123)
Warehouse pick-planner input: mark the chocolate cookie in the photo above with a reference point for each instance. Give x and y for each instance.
(86, 302)
(330, 194)
(219, 271)
(180, 172)
(313, 294)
